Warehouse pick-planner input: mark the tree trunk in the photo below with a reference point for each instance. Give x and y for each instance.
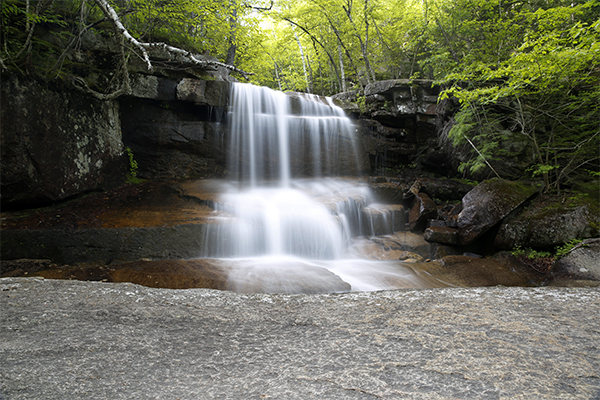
(342, 68)
(230, 59)
(308, 85)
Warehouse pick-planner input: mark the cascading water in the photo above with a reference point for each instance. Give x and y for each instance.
(286, 203)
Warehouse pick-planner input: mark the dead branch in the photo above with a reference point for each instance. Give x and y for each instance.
(143, 47)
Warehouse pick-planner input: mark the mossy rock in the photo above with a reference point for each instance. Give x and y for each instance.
(551, 221)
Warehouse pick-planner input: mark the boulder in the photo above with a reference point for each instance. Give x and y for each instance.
(550, 222)
(383, 249)
(406, 241)
(487, 204)
(441, 234)
(404, 96)
(153, 87)
(56, 144)
(583, 262)
(423, 209)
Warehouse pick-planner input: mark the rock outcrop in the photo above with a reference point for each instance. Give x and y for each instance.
(398, 121)
(56, 143)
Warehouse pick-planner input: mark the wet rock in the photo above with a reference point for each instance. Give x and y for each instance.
(405, 241)
(275, 277)
(441, 234)
(470, 271)
(582, 263)
(383, 219)
(56, 144)
(23, 266)
(487, 204)
(388, 192)
(423, 209)
(155, 220)
(242, 276)
(550, 222)
(383, 250)
(174, 142)
(408, 256)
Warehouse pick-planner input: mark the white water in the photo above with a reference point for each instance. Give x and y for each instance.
(273, 216)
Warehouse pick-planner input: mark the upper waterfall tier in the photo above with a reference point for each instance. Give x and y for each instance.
(276, 138)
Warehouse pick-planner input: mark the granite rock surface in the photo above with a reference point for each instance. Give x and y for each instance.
(73, 340)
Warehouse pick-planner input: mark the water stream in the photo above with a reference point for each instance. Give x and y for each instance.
(294, 202)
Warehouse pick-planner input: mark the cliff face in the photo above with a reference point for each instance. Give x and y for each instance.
(399, 123)
(56, 143)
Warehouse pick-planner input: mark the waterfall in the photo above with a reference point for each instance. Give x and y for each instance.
(284, 154)
(293, 203)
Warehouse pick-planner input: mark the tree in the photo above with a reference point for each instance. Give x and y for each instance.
(548, 92)
(180, 29)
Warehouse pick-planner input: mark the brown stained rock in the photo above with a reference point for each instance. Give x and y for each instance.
(487, 204)
(441, 234)
(470, 271)
(242, 276)
(423, 210)
(146, 205)
(404, 241)
(383, 251)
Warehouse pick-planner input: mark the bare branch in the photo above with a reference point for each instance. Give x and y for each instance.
(112, 15)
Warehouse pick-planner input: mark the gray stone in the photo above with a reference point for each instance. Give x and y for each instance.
(152, 87)
(56, 144)
(583, 262)
(441, 234)
(71, 340)
(487, 204)
(548, 224)
(202, 92)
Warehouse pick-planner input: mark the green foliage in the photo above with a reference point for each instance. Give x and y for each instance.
(133, 165)
(547, 90)
(566, 248)
(530, 253)
(541, 261)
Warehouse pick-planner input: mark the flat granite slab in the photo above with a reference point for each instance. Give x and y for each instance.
(74, 340)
